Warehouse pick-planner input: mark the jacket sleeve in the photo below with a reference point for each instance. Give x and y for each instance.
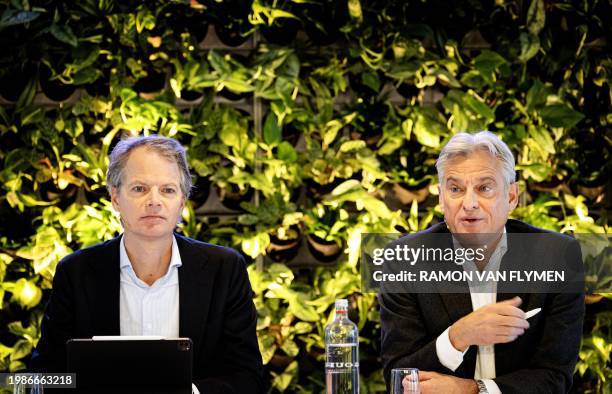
(551, 368)
(239, 359)
(57, 325)
(404, 339)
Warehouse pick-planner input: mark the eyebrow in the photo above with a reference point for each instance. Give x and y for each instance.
(137, 182)
(480, 180)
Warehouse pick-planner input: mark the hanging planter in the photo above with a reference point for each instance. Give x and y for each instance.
(54, 89)
(285, 249)
(322, 250)
(200, 192)
(151, 84)
(232, 195)
(232, 33)
(282, 32)
(406, 194)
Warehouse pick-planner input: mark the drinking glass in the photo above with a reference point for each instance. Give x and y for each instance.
(404, 381)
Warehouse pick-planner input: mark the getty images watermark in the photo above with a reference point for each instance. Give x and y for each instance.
(508, 263)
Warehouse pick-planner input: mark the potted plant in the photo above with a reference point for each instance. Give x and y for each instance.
(275, 223)
(326, 231)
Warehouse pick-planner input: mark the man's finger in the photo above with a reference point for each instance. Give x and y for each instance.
(426, 375)
(514, 301)
(513, 321)
(508, 310)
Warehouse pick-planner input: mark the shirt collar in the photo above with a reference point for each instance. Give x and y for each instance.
(502, 245)
(124, 260)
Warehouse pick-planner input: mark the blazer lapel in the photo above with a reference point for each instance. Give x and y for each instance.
(505, 353)
(196, 279)
(104, 282)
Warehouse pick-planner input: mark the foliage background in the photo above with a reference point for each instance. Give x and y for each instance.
(303, 120)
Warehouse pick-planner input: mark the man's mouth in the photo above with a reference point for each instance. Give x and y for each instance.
(152, 217)
(471, 220)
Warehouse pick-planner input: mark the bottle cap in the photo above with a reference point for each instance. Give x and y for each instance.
(342, 303)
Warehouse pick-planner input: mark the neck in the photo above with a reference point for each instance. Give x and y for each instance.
(150, 258)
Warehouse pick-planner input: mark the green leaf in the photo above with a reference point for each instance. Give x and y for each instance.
(64, 34)
(536, 17)
(536, 96)
(425, 131)
(352, 145)
(530, 45)
(271, 131)
(287, 153)
(21, 349)
(15, 17)
(542, 138)
(560, 115)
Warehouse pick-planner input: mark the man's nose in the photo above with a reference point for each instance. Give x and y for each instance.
(154, 198)
(470, 200)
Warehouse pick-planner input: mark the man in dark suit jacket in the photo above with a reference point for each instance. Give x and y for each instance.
(152, 281)
(216, 312)
(446, 335)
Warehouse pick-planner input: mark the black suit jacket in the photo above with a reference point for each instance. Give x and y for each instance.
(216, 311)
(542, 360)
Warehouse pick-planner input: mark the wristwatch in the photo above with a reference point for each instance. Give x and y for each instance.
(482, 387)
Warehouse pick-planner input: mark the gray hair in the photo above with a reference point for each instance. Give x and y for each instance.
(462, 144)
(168, 148)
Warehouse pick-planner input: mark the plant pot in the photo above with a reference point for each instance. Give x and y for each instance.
(282, 32)
(231, 33)
(322, 250)
(407, 194)
(550, 186)
(153, 83)
(200, 192)
(232, 197)
(191, 95)
(197, 26)
(54, 89)
(281, 250)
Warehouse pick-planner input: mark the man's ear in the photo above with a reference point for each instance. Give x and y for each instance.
(440, 198)
(513, 195)
(114, 196)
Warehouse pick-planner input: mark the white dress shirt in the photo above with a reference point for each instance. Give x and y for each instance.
(452, 358)
(150, 310)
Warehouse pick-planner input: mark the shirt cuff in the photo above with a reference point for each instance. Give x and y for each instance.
(492, 387)
(194, 389)
(450, 357)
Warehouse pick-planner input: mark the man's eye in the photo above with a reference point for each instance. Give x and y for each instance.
(486, 188)
(138, 189)
(169, 190)
(454, 189)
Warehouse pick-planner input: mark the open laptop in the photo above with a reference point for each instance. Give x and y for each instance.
(131, 365)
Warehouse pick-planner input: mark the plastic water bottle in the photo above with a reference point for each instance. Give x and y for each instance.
(341, 353)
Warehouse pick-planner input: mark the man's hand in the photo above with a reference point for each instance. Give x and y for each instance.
(501, 322)
(433, 382)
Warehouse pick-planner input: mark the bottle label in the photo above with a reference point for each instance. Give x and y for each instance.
(342, 365)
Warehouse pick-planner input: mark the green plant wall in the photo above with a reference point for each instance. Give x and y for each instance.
(307, 124)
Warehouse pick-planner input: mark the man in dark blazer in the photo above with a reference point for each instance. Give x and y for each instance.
(153, 281)
(471, 342)
(216, 312)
